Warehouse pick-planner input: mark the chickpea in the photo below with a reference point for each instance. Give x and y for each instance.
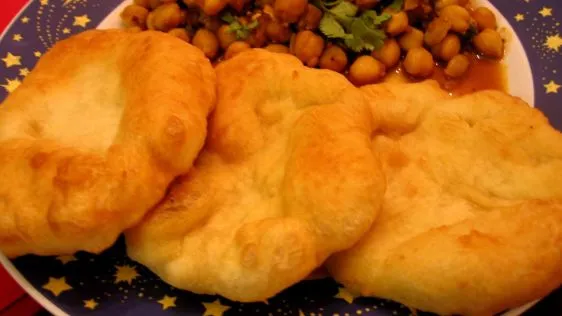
(153, 4)
(236, 48)
(436, 31)
(397, 24)
(263, 3)
(485, 18)
(184, 15)
(440, 4)
(308, 47)
(134, 15)
(211, 23)
(458, 16)
(389, 54)
(143, 3)
(225, 36)
(134, 29)
(457, 66)
(366, 4)
(410, 5)
(258, 36)
(192, 17)
(311, 18)
(334, 58)
(448, 48)
(167, 17)
(489, 43)
(411, 39)
(180, 33)
(277, 48)
(277, 32)
(207, 42)
(419, 62)
(290, 10)
(366, 70)
(150, 21)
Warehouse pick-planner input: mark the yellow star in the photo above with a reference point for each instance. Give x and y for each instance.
(545, 11)
(57, 286)
(90, 304)
(12, 60)
(67, 2)
(552, 87)
(215, 308)
(17, 37)
(24, 20)
(37, 54)
(519, 17)
(345, 295)
(44, 2)
(11, 85)
(66, 31)
(125, 274)
(81, 20)
(301, 313)
(63, 259)
(553, 42)
(167, 302)
(24, 72)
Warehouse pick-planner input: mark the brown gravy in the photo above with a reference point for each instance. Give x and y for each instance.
(483, 74)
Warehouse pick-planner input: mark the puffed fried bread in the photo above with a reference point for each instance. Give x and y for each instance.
(287, 177)
(471, 222)
(94, 135)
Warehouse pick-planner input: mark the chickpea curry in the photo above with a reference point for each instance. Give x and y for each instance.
(367, 40)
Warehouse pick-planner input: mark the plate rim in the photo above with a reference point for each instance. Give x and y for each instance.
(29, 288)
(54, 309)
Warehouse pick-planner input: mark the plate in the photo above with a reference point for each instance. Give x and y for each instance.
(112, 284)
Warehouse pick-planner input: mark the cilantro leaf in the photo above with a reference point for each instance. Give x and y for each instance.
(397, 4)
(330, 27)
(228, 18)
(373, 38)
(253, 25)
(358, 33)
(241, 31)
(344, 8)
(372, 19)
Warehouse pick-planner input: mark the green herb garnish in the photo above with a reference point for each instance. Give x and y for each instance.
(397, 5)
(358, 33)
(241, 31)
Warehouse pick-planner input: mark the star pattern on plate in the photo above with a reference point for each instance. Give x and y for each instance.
(24, 72)
(90, 304)
(11, 85)
(11, 60)
(345, 295)
(215, 308)
(553, 42)
(81, 20)
(552, 87)
(545, 11)
(167, 302)
(88, 283)
(57, 286)
(125, 273)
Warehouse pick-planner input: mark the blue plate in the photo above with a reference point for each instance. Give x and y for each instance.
(112, 284)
